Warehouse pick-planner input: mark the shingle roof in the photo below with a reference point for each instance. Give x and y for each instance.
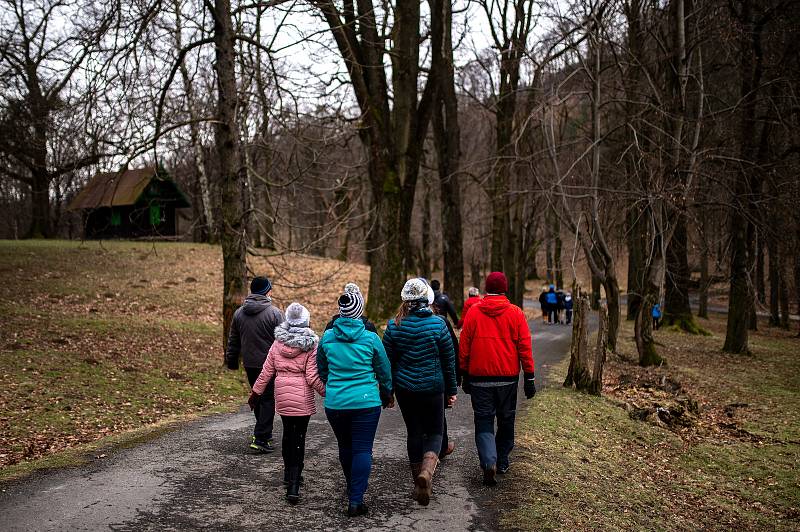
(110, 189)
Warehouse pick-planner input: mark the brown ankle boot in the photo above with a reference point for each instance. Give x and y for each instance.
(415, 469)
(424, 480)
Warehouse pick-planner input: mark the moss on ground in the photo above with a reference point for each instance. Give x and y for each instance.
(99, 339)
(583, 464)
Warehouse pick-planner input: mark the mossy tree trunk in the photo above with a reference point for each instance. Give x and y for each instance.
(232, 172)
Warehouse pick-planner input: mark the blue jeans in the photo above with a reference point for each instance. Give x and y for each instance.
(489, 403)
(355, 433)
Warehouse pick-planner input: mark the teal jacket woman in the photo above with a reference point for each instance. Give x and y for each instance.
(353, 365)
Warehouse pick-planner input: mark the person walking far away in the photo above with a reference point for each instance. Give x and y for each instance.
(353, 288)
(251, 336)
(656, 316)
(568, 305)
(552, 305)
(474, 297)
(292, 362)
(358, 380)
(543, 305)
(495, 342)
(561, 306)
(443, 302)
(420, 349)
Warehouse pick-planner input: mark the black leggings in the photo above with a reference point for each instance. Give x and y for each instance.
(293, 443)
(423, 414)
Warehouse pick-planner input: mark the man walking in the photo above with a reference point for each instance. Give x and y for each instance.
(495, 343)
(251, 335)
(443, 302)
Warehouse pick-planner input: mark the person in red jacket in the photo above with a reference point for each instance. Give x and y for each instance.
(474, 297)
(495, 342)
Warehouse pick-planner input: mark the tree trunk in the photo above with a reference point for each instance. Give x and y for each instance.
(426, 244)
(702, 309)
(596, 386)
(761, 288)
(40, 206)
(559, 273)
(783, 296)
(635, 242)
(578, 372)
(232, 173)
(209, 231)
(595, 295)
(447, 139)
(775, 279)
(740, 300)
(677, 309)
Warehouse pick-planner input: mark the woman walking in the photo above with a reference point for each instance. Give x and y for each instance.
(358, 380)
(421, 352)
(292, 362)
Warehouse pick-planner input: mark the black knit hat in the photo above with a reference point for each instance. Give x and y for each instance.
(260, 285)
(351, 302)
(435, 284)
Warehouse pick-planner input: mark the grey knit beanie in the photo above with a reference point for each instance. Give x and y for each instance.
(415, 290)
(297, 315)
(473, 291)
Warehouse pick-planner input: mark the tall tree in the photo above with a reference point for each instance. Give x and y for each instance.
(393, 135)
(42, 60)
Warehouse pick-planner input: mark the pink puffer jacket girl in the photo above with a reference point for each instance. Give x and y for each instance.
(292, 360)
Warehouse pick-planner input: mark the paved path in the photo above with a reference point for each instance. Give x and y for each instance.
(199, 477)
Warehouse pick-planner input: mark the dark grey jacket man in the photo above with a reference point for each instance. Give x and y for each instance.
(251, 335)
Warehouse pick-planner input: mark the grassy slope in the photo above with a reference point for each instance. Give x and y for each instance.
(96, 340)
(584, 464)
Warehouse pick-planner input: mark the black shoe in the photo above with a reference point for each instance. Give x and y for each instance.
(261, 447)
(293, 488)
(489, 476)
(504, 469)
(355, 510)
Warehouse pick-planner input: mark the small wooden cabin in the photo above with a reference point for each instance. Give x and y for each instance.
(130, 204)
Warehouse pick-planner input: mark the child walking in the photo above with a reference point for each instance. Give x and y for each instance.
(292, 361)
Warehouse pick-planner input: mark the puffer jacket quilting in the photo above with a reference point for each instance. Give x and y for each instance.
(422, 353)
(292, 360)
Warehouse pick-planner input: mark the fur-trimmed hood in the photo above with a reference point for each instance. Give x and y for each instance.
(300, 338)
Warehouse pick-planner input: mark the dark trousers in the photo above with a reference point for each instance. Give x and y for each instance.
(445, 439)
(656, 323)
(569, 316)
(552, 315)
(265, 408)
(423, 414)
(355, 433)
(293, 441)
(489, 403)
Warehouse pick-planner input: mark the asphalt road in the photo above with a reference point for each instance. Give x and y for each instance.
(199, 477)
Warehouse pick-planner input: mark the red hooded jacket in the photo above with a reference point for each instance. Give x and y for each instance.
(495, 341)
(468, 304)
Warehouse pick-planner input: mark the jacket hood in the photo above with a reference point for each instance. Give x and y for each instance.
(494, 305)
(298, 338)
(255, 303)
(348, 329)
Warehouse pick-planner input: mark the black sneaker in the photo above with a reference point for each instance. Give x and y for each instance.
(503, 469)
(261, 447)
(489, 477)
(355, 510)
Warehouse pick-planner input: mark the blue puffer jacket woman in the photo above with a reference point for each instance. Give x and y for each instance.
(421, 352)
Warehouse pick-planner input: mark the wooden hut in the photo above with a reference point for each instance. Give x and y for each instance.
(130, 204)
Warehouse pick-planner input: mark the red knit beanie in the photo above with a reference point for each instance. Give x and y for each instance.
(496, 283)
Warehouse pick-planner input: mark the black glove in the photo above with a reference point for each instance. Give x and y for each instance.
(465, 383)
(232, 363)
(386, 396)
(252, 401)
(529, 385)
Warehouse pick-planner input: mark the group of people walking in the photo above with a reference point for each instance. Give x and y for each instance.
(556, 306)
(418, 363)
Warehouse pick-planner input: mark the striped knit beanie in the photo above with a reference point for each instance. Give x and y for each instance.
(351, 302)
